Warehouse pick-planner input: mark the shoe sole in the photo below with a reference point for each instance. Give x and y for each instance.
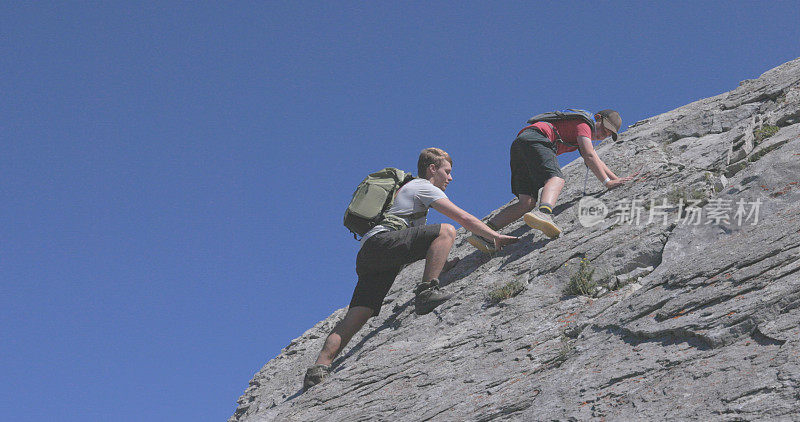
(549, 229)
(479, 245)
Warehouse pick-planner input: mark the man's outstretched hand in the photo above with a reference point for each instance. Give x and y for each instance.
(619, 181)
(501, 241)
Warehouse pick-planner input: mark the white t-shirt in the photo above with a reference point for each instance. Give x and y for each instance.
(414, 197)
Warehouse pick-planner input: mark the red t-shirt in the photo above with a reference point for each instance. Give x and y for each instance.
(569, 130)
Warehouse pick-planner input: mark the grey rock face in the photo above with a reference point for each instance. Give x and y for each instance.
(691, 321)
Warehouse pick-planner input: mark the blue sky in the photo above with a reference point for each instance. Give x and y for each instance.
(174, 174)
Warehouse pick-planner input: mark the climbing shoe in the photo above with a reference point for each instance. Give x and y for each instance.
(429, 296)
(544, 222)
(314, 375)
(483, 245)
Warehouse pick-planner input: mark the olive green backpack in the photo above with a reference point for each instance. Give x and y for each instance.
(372, 198)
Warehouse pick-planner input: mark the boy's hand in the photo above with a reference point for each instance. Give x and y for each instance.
(501, 241)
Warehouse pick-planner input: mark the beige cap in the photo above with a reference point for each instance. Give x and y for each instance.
(611, 121)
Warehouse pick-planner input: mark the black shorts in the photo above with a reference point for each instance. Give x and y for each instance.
(533, 162)
(382, 257)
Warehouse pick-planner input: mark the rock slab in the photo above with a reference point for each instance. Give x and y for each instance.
(695, 314)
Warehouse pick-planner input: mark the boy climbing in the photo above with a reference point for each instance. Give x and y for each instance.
(400, 238)
(534, 165)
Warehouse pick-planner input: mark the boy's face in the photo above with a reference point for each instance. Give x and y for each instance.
(441, 175)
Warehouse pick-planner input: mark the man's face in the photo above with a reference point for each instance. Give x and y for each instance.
(441, 174)
(600, 132)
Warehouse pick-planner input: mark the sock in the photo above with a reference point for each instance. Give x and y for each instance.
(546, 208)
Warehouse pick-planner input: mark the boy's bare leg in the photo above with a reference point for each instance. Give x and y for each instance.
(438, 251)
(355, 318)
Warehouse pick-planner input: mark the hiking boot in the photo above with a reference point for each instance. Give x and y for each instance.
(544, 222)
(315, 374)
(429, 297)
(483, 245)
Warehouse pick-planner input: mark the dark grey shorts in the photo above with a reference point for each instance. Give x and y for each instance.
(381, 259)
(533, 162)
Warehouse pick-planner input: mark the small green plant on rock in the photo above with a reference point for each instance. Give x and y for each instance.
(581, 283)
(506, 291)
(679, 193)
(764, 151)
(698, 195)
(564, 351)
(764, 132)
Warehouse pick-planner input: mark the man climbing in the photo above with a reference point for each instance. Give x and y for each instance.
(534, 165)
(388, 246)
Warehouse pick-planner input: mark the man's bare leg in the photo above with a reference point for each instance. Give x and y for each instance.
(355, 318)
(541, 219)
(526, 203)
(513, 212)
(552, 188)
(438, 251)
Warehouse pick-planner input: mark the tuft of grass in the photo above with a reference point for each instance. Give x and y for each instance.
(674, 196)
(698, 194)
(506, 291)
(581, 283)
(564, 352)
(764, 132)
(764, 151)
(679, 193)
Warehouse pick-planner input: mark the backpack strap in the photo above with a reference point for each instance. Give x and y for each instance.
(397, 222)
(558, 136)
(391, 220)
(415, 215)
(583, 115)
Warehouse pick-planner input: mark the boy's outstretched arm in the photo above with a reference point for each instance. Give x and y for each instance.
(472, 223)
